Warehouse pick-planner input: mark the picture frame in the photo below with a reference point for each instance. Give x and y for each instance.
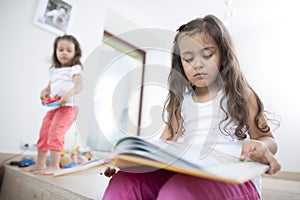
(54, 15)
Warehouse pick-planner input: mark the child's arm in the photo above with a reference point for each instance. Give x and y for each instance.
(261, 147)
(45, 92)
(78, 85)
(258, 150)
(177, 127)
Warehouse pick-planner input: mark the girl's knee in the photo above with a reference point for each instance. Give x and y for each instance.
(117, 186)
(174, 188)
(189, 187)
(124, 185)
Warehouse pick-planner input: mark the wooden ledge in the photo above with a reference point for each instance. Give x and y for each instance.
(292, 176)
(17, 184)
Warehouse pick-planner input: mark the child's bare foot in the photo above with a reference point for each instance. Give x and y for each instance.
(33, 168)
(47, 171)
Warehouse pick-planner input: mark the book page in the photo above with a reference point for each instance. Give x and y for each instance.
(183, 156)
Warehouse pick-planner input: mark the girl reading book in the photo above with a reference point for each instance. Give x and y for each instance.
(206, 89)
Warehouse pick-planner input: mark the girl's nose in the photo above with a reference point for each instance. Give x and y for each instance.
(197, 63)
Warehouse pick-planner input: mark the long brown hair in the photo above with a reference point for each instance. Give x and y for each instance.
(234, 83)
(78, 52)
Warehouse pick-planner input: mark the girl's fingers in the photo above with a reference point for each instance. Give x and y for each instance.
(274, 165)
(247, 148)
(109, 172)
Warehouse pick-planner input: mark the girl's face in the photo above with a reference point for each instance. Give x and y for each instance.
(65, 52)
(200, 57)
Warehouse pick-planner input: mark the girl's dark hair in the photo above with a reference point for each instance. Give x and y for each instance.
(78, 52)
(234, 83)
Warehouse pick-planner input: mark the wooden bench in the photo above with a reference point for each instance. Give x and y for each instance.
(89, 185)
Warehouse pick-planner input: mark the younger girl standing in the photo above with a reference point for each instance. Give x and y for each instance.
(65, 81)
(210, 104)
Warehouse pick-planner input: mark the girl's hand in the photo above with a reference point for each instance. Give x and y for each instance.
(258, 152)
(44, 94)
(109, 172)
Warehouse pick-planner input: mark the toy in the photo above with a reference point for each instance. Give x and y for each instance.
(72, 164)
(65, 160)
(73, 156)
(51, 101)
(26, 161)
(81, 159)
(70, 159)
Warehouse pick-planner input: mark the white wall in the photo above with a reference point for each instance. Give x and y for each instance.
(268, 55)
(26, 52)
(25, 55)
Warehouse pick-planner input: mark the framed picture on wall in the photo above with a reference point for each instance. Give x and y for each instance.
(54, 15)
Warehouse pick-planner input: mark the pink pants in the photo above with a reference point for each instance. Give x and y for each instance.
(166, 185)
(55, 125)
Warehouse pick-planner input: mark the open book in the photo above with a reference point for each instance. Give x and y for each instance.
(134, 154)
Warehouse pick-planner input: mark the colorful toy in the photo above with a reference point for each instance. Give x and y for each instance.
(72, 164)
(26, 161)
(70, 159)
(65, 160)
(73, 155)
(51, 101)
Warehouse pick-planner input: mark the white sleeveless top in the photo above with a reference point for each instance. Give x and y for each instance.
(61, 81)
(201, 128)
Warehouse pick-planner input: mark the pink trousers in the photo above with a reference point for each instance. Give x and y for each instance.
(55, 125)
(166, 185)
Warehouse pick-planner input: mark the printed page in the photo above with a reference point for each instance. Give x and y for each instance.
(184, 156)
(162, 151)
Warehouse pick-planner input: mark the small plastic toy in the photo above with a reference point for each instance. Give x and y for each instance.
(51, 101)
(26, 161)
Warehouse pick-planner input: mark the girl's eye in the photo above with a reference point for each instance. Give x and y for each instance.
(208, 53)
(188, 59)
(207, 56)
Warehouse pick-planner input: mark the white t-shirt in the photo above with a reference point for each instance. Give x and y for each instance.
(201, 128)
(61, 81)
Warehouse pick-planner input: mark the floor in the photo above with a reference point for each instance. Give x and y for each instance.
(280, 189)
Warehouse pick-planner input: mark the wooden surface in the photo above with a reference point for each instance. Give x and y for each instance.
(280, 189)
(90, 185)
(18, 185)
